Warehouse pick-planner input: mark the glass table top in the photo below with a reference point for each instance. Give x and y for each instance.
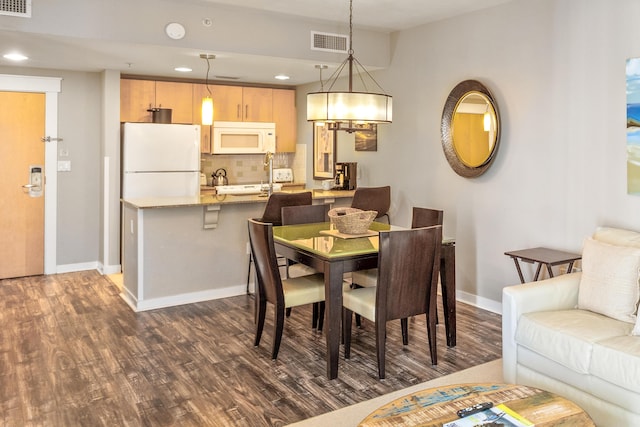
(308, 237)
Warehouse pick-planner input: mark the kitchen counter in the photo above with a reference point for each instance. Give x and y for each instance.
(181, 250)
(225, 199)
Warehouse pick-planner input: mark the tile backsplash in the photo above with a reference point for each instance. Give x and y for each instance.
(249, 168)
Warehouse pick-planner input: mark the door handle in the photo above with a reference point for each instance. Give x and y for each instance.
(30, 186)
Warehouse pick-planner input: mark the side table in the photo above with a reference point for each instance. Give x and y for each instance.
(546, 256)
(436, 406)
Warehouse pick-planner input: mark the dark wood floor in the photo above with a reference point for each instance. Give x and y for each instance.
(72, 353)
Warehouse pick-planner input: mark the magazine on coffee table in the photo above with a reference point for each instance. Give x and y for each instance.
(499, 415)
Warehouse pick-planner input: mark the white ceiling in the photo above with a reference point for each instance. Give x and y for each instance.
(66, 52)
(386, 15)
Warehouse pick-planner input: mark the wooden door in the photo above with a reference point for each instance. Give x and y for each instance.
(177, 96)
(21, 216)
(136, 97)
(284, 116)
(257, 104)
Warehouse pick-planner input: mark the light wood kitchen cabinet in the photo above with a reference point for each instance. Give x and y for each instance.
(242, 104)
(257, 104)
(284, 116)
(177, 96)
(137, 96)
(230, 103)
(227, 103)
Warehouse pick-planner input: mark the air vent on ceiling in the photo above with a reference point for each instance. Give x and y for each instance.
(329, 42)
(16, 8)
(226, 77)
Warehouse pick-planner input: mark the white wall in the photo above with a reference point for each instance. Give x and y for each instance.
(557, 70)
(79, 191)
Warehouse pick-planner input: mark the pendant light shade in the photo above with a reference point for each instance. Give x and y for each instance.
(349, 110)
(207, 111)
(207, 101)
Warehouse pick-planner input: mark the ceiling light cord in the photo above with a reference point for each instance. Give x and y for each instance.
(206, 79)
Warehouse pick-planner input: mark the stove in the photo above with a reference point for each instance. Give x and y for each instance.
(241, 189)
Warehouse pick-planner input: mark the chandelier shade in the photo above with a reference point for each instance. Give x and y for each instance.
(349, 106)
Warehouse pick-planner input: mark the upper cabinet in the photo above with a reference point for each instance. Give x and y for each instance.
(230, 103)
(178, 97)
(284, 116)
(138, 96)
(257, 104)
(242, 104)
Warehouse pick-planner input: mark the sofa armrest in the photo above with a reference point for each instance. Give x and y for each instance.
(557, 293)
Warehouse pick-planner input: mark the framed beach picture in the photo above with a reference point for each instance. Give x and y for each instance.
(324, 152)
(367, 140)
(633, 126)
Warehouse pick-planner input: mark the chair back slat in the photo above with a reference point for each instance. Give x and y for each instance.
(425, 217)
(372, 199)
(273, 210)
(304, 214)
(264, 256)
(408, 266)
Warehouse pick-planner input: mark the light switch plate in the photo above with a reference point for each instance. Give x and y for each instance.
(64, 165)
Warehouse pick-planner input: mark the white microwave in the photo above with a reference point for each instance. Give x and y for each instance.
(243, 137)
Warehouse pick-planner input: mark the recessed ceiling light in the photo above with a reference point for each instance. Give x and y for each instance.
(282, 77)
(183, 69)
(15, 57)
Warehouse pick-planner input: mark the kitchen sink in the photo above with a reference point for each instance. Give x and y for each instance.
(246, 188)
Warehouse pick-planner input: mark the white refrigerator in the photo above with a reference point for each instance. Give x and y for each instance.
(160, 160)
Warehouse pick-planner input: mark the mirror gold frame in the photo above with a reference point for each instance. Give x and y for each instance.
(470, 129)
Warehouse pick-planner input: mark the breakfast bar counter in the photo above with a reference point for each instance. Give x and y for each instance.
(320, 196)
(181, 250)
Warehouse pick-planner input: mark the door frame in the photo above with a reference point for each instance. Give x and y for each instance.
(50, 86)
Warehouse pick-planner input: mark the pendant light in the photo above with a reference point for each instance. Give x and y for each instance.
(207, 101)
(349, 111)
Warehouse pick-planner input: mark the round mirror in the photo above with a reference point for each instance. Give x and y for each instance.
(470, 129)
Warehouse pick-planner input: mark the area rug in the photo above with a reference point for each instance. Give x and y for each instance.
(352, 415)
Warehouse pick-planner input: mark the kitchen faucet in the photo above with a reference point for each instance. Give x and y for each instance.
(268, 163)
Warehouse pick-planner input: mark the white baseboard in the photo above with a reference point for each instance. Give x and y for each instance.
(71, 268)
(190, 298)
(480, 302)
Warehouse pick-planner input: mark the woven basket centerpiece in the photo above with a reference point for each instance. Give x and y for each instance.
(352, 220)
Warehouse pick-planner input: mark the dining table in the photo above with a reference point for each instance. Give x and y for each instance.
(322, 247)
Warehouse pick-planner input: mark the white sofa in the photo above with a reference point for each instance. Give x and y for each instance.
(583, 355)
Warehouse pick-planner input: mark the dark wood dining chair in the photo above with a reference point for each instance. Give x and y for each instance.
(273, 214)
(408, 266)
(421, 217)
(282, 293)
(373, 199)
(304, 214)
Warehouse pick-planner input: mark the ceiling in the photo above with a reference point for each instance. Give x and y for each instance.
(82, 54)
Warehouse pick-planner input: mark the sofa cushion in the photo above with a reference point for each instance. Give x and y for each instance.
(609, 283)
(567, 336)
(617, 236)
(617, 360)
